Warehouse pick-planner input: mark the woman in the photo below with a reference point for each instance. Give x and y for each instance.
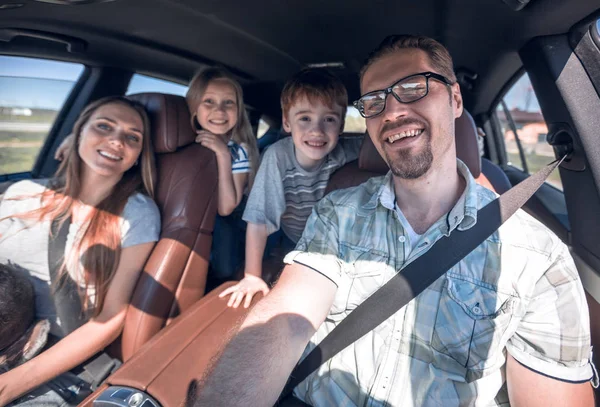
(99, 210)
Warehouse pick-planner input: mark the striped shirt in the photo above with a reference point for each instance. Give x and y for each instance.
(240, 163)
(284, 194)
(518, 292)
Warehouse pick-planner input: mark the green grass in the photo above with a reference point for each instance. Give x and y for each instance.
(534, 163)
(13, 160)
(19, 150)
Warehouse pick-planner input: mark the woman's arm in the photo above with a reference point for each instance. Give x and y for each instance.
(88, 339)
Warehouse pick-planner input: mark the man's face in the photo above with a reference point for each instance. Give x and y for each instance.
(412, 137)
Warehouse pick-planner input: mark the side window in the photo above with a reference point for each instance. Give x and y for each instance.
(524, 130)
(263, 127)
(32, 93)
(355, 123)
(141, 83)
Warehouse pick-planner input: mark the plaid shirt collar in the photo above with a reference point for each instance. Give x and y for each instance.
(463, 215)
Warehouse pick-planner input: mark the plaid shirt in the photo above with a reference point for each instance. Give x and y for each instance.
(519, 291)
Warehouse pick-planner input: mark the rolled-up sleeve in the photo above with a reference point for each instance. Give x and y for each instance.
(553, 338)
(318, 248)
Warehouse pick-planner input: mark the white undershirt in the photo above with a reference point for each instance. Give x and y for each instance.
(412, 237)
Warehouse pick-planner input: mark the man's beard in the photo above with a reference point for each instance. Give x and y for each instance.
(408, 165)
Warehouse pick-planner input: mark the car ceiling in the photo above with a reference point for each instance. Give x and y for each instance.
(265, 41)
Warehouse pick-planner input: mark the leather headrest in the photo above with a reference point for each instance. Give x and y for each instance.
(169, 121)
(466, 148)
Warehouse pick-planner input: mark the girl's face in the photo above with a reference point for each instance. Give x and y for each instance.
(112, 139)
(218, 110)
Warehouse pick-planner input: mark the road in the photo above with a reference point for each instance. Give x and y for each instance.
(25, 127)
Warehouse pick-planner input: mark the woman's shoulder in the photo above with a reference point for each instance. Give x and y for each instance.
(22, 196)
(26, 187)
(141, 206)
(141, 221)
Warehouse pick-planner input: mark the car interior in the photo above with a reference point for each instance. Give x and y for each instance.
(529, 72)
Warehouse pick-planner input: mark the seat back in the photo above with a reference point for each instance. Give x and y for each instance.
(174, 276)
(371, 164)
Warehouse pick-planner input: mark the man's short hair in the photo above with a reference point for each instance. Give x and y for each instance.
(17, 304)
(315, 84)
(438, 54)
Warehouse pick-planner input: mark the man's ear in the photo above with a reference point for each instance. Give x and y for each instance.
(457, 100)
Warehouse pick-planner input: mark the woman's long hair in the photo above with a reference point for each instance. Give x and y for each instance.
(98, 246)
(242, 131)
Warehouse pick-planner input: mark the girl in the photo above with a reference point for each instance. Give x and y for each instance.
(87, 232)
(215, 100)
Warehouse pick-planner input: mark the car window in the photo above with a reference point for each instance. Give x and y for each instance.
(141, 83)
(355, 123)
(263, 127)
(32, 93)
(524, 130)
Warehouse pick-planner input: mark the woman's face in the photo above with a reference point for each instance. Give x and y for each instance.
(111, 141)
(218, 110)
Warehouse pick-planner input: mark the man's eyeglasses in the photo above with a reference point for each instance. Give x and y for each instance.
(406, 90)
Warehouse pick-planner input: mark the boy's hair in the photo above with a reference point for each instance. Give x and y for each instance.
(438, 54)
(315, 84)
(17, 305)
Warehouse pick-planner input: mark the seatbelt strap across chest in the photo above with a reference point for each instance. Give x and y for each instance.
(418, 275)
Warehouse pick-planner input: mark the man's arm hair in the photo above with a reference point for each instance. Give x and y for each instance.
(255, 365)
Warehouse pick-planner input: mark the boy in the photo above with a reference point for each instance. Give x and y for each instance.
(21, 337)
(294, 171)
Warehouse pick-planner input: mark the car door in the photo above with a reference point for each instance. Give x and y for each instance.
(564, 74)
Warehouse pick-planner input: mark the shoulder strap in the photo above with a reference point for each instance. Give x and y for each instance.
(417, 276)
(66, 295)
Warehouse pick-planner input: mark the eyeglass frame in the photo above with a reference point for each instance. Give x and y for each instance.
(388, 90)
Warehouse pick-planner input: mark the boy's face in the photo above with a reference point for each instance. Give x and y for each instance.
(315, 129)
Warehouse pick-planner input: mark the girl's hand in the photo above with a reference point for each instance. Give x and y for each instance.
(212, 142)
(63, 149)
(249, 286)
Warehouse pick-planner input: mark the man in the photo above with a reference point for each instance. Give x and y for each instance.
(507, 325)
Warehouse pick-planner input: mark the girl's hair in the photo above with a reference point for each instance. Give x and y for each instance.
(101, 238)
(242, 131)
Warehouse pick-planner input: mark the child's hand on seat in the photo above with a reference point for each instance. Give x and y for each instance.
(247, 287)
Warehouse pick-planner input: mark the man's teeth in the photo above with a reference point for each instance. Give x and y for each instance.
(315, 144)
(110, 156)
(404, 134)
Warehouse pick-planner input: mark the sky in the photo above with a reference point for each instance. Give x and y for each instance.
(522, 96)
(21, 84)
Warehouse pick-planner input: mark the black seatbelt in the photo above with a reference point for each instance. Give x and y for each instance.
(417, 276)
(67, 301)
(69, 310)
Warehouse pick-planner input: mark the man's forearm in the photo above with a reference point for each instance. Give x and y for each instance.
(255, 365)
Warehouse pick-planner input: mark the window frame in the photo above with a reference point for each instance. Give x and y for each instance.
(62, 114)
(498, 138)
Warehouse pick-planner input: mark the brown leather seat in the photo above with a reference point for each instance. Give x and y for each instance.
(174, 277)
(371, 164)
